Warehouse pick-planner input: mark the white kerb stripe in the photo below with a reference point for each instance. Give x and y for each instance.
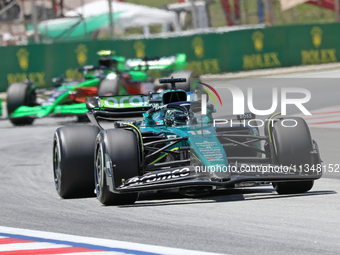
(98, 253)
(30, 246)
(103, 242)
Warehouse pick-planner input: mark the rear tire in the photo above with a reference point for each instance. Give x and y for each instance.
(19, 94)
(122, 148)
(73, 157)
(293, 146)
(192, 80)
(108, 87)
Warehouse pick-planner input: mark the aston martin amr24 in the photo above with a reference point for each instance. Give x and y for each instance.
(175, 146)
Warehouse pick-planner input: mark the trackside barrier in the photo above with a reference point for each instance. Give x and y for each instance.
(206, 53)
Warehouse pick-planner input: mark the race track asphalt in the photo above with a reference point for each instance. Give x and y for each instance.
(253, 220)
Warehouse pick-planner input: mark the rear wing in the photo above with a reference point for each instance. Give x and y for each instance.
(177, 62)
(117, 107)
(121, 106)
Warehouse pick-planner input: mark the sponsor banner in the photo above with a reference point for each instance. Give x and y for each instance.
(212, 53)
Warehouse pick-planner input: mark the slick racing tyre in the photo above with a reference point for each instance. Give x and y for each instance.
(192, 80)
(293, 146)
(73, 159)
(108, 87)
(19, 94)
(120, 148)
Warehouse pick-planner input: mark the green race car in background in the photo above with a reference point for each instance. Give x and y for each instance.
(113, 76)
(138, 75)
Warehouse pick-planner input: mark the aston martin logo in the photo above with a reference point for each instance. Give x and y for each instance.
(316, 33)
(81, 51)
(22, 55)
(197, 44)
(139, 48)
(258, 40)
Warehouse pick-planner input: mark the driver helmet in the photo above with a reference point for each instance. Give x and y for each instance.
(175, 118)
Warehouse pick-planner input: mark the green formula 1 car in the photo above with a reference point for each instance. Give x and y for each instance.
(114, 76)
(177, 147)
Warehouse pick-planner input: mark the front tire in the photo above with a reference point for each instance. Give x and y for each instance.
(19, 94)
(73, 157)
(120, 146)
(293, 146)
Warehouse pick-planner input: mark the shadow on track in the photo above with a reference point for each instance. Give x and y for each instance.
(230, 195)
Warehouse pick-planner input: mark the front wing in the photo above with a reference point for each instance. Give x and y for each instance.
(189, 176)
(50, 110)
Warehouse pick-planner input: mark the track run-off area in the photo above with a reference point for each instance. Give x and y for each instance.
(254, 220)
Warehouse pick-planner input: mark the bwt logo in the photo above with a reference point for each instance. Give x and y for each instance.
(239, 101)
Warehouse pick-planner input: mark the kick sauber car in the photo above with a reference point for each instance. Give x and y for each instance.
(176, 147)
(113, 76)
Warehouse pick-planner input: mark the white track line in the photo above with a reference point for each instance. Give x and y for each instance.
(30, 246)
(97, 253)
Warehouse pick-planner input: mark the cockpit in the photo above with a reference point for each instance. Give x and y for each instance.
(179, 113)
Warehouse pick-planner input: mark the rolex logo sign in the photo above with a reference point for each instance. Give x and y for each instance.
(260, 59)
(81, 51)
(140, 49)
(198, 46)
(316, 33)
(318, 54)
(258, 40)
(22, 55)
